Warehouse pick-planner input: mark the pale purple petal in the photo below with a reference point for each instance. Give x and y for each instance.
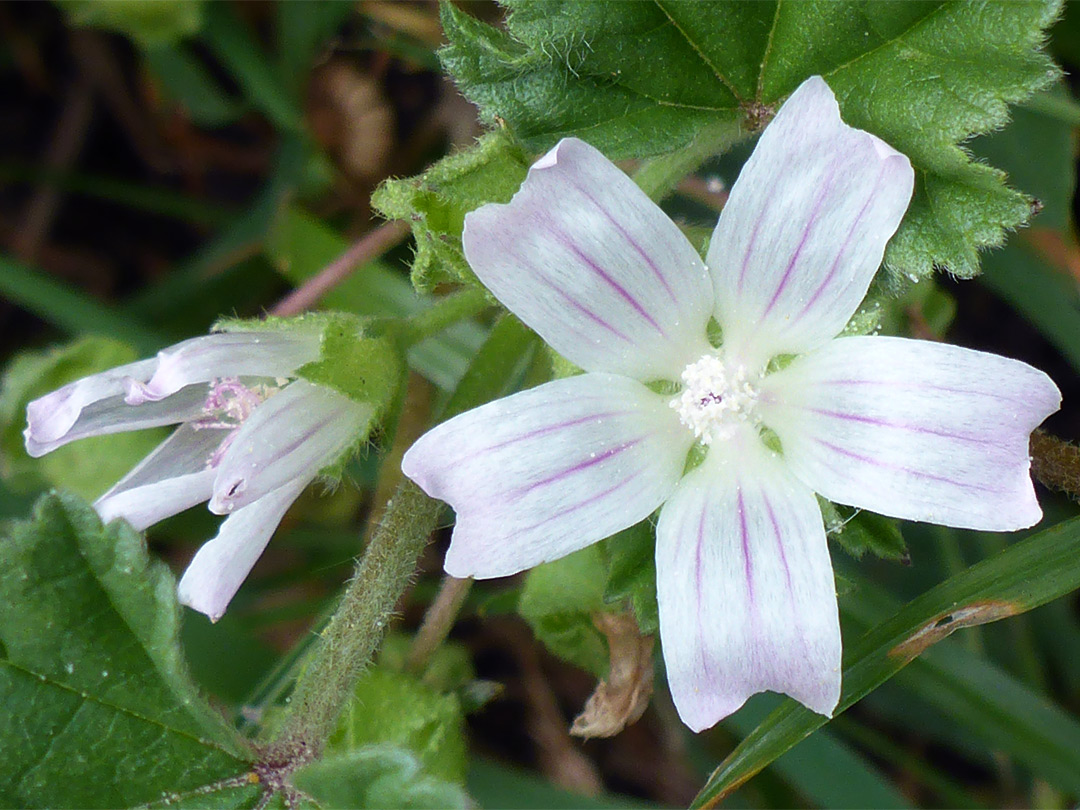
(50, 417)
(804, 228)
(745, 588)
(111, 415)
(226, 354)
(174, 477)
(586, 259)
(913, 429)
(221, 565)
(290, 437)
(548, 471)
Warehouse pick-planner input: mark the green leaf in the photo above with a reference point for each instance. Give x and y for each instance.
(630, 557)
(87, 467)
(435, 203)
(396, 708)
(558, 601)
(644, 79)
(1023, 576)
(1042, 126)
(148, 22)
(99, 709)
(378, 776)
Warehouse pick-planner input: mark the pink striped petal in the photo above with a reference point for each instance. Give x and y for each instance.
(289, 437)
(913, 429)
(225, 354)
(174, 477)
(548, 471)
(102, 417)
(586, 259)
(745, 588)
(805, 228)
(222, 564)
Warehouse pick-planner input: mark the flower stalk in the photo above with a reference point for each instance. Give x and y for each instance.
(353, 635)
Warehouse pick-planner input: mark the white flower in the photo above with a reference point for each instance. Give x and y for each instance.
(250, 439)
(784, 407)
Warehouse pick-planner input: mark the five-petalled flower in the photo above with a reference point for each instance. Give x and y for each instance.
(251, 437)
(784, 407)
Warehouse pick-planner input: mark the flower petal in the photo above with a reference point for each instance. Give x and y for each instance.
(550, 470)
(805, 227)
(586, 259)
(109, 415)
(226, 354)
(222, 564)
(174, 477)
(745, 587)
(290, 437)
(50, 417)
(913, 429)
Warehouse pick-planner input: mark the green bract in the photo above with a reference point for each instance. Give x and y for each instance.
(643, 79)
(435, 203)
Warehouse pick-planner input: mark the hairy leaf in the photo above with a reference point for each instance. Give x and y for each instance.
(644, 79)
(99, 708)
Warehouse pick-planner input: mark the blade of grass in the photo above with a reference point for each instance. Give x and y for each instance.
(70, 310)
(1029, 573)
(233, 44)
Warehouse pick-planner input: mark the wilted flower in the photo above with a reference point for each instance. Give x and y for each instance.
(251, 437)
(783, 407)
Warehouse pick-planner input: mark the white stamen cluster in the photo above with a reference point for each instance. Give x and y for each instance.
(716, 398)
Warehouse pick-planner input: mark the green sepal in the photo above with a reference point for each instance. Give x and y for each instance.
(89, 466)
(435, 203)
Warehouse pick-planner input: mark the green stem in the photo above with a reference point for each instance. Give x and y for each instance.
(659, 176)
(445, 312)
(349, 641)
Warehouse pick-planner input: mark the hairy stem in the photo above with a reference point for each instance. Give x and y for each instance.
(659, 176)
(352, 636)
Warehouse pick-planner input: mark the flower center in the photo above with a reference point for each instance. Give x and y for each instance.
(716, 398)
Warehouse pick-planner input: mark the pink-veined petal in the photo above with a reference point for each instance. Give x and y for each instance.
(50, 417)
(109, 415)
(174, 477)
(804, 228)
(745, 588)
(913, 429)
(222, 564)
(226, 354)
(289, 437)
(550, 470)
(585, 258)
